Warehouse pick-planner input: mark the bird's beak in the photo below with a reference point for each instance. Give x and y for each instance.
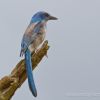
(52, 18)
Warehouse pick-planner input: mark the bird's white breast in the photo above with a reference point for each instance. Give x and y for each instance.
(38, 40)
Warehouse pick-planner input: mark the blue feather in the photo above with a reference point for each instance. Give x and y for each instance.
(29, 73)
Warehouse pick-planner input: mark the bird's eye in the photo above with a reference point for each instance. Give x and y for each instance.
(46, 14)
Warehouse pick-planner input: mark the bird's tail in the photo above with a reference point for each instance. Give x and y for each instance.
(29, 72)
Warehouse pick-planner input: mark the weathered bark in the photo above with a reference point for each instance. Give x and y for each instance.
(9, 84)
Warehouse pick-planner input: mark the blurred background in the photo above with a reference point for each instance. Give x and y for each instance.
(73, 63)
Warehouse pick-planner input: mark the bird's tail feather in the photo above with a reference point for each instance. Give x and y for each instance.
(29, 72)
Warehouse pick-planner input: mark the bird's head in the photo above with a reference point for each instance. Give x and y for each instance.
(42, 16)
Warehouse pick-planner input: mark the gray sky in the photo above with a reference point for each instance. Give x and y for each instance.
(73, 65)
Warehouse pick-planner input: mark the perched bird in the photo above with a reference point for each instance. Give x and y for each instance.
(32, 39)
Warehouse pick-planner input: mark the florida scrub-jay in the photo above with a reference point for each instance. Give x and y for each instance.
(32, 38)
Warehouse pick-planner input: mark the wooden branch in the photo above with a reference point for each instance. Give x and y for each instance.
(9, 84)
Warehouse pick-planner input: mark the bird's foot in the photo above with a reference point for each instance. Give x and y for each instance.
(37, 50)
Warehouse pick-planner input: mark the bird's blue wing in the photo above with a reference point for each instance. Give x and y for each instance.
(25, 43)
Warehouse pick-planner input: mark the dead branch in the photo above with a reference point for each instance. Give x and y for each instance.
(9, 84)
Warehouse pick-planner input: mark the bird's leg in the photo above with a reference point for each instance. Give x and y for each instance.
(36, 50)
